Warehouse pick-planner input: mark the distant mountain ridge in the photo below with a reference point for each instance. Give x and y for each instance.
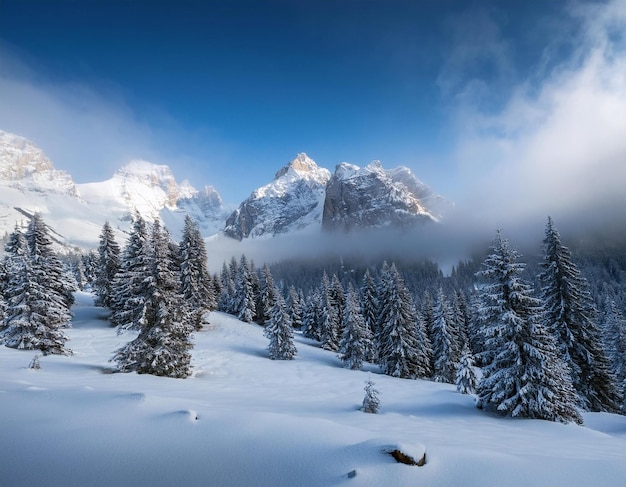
(302, 197)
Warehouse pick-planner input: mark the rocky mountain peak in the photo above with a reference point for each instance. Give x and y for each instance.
(25, 166)
(302, 166)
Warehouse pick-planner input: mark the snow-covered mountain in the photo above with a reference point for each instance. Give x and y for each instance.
(25, 167)
(372, 197)
(29, 183)
(303, 197)
(293, 201)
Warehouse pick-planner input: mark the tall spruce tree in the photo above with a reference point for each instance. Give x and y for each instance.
(356, 338)
(164, 343)
(37, 302)
(196, 286)
(131, 290)
(268, 295)
(369, 308)
(523, 376)
(400, 352)
(445, 341)
(614, 331)
(108, 265)
(328, 316)
(245, 300)
(279, 331)
(570, 315)
(311, 324)
(296, 307)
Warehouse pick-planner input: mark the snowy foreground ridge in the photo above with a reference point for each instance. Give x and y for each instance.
(245, 420)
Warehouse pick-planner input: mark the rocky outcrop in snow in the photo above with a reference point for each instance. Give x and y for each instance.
(292, 201)
(371, 197)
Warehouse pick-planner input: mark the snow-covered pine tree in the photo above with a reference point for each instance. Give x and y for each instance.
(196, 286)
(466, 378)
(296, 307)
(130, 287)
(523, 375)
(328, 317)
(311, 318)
(356, 338)
(108, 265)
(614, 332)
(37, 303)
(445, 341)
(569, 313)
(371, 401)
(227, 295)
(461, 319)
(279, 331)
(400, 352)
(245, 300)
(338, 300)
(163, 346)
(43, 256)
(427, 309)
(369, 309)
(268, 295)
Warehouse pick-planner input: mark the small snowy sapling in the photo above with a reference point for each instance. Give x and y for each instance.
(371, 402)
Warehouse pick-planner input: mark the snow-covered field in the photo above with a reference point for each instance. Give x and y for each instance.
(244, 420)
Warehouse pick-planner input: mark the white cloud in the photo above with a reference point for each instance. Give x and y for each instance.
(558, 147)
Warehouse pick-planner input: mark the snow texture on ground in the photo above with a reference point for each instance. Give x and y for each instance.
(244, 420)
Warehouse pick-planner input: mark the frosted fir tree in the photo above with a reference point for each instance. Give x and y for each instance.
(356, 338)
(37, 307)
(130, 286)
(163, 346)
(279, 331)
(311, 324)
(227, 295)
(245, 301)
(523, 375)
(46, 261)
(445, 341)
(196, 286)
(35, 363)
(569, 313)
(268, 295)
(328, 317)
(614, 331)
(371, 401)
(369, 309)
(400, 352)
(466, 379)
(107, 267)
(296, 306)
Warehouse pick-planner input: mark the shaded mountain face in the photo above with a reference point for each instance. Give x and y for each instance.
(372, 197)
(293, 201)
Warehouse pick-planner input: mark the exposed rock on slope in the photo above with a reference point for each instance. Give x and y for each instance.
(372, 197)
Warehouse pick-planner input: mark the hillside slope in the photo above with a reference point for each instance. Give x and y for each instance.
(243, 420)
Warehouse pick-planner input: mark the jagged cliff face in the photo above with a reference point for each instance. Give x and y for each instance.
(25, 167)
(292, 201)
(371, 197)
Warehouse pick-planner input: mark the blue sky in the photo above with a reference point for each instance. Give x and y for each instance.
(465, 93)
